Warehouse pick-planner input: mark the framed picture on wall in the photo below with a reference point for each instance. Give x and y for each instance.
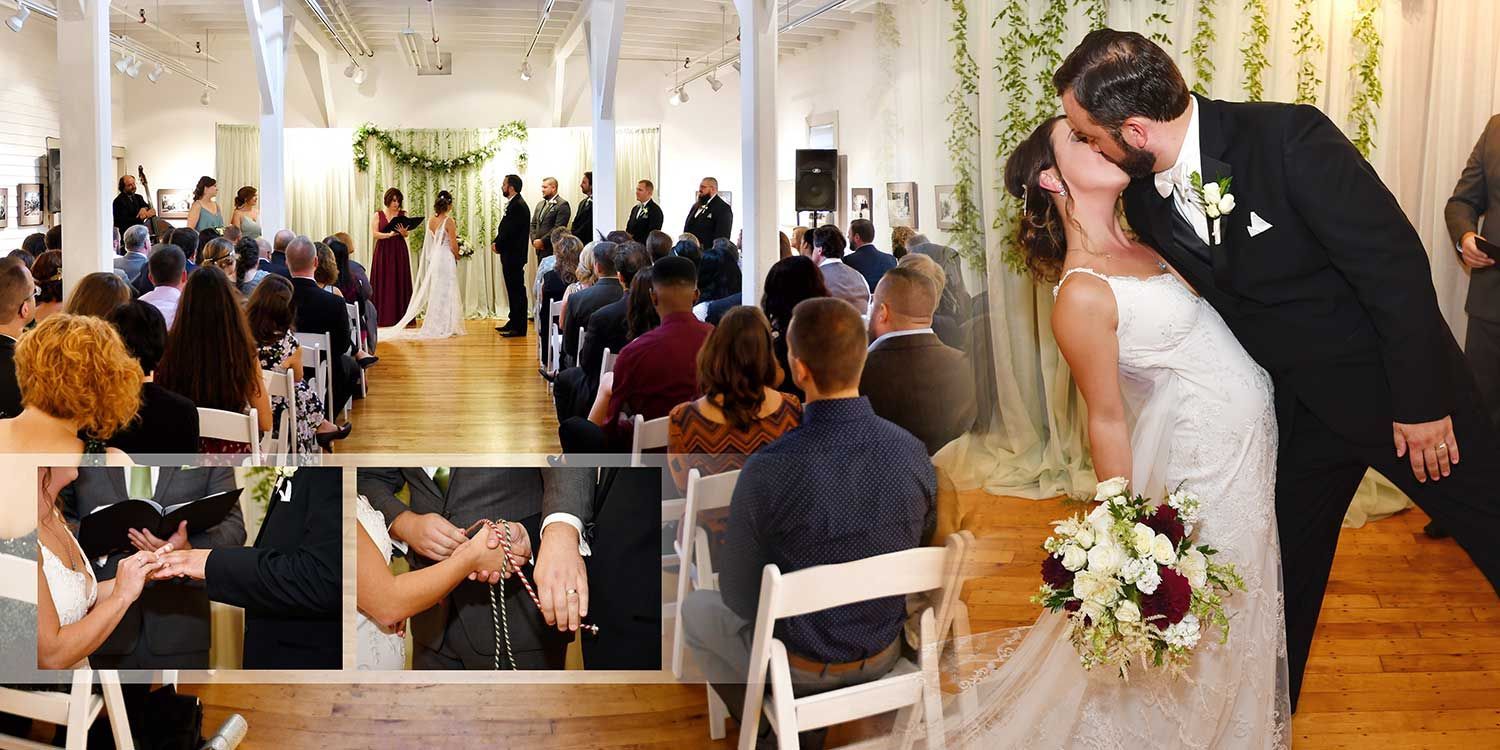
(29, 208)
(4, 208)
(173, 204)
(901, 204)
(947, 206)
(728, 196)
(862, 203)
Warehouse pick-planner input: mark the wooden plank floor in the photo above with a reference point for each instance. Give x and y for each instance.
(1407, 652)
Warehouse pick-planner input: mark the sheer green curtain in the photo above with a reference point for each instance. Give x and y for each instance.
(236, 161)
(637, 157)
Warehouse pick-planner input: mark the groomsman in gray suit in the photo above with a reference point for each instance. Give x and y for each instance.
(168, 627)
(1478, 195)
(554, 504)
(551, 212)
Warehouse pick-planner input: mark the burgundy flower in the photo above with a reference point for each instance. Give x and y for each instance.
(1055, 575)
(1073, 605)
(1164, 521)
(1170, 602)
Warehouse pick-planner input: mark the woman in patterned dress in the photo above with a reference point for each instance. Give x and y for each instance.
(272, 313)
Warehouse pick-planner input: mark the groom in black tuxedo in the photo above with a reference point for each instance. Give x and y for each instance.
(1324, 281)
(510, 244)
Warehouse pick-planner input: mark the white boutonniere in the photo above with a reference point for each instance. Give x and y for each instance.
(1215, 200)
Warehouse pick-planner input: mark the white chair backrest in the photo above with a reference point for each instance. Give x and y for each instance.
(695, 570)
(282, 441)
(827, 586)
(554, 311)
(353, 321)
(583, 335)
(319, 344)
(647, 435)
(18, 579)
(607, 364)
(232, 426)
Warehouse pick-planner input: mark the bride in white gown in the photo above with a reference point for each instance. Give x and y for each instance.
(436, 297)
(1173, 399)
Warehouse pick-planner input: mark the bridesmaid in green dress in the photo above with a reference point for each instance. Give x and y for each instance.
(246, 214)
(205, 213)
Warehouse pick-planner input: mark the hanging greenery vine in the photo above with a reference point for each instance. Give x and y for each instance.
(515, 130)
(1253, 54)
(1199, 50)
(1097, 13)
(1158, 22)
(1368, 92)
(1014, 24)
(967, 233)
(887, 42)
(1306, 43)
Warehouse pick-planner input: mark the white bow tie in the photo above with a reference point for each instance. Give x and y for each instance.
(1175, 178)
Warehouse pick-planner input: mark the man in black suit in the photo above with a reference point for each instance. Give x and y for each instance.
(510, 243)
(583, 220)
(1326, 284)
(17, 305)
(277, 262)
(710, 218)
(864, 256)
(583, 303)
(646, 217)
(290, 583)
(625, 571)
(167, 422)
(937, 407)
(168, 627)
(574, 389)
(322, 312)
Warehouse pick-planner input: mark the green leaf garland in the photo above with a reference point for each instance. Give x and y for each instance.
(1307, 44)
(967, 233)
(1204, 37)
(1253, 54)
(1097, 12)
(514, 130)
(1010, 71)
(1368, 93)
(1158, 22)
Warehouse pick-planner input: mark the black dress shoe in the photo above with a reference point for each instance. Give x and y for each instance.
(502, 329)
(513, 334)
(368, 362)
(326, 439)
(1434, 531)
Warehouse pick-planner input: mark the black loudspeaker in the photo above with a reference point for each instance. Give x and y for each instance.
(817, 179)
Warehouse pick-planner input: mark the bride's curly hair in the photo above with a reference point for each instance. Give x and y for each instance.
(443, 203)
(1039, 235)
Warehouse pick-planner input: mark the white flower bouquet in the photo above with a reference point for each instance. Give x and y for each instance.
(1135, 585)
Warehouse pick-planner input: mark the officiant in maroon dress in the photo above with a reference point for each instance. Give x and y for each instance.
(391, 272)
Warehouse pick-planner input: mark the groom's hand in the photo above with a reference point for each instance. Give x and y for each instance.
(428, 534)
(1431, 446)
(561, 579)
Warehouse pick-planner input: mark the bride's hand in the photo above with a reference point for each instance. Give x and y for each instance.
(132, 573)
(487, 555)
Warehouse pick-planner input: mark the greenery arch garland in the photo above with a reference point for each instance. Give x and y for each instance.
(513, 130)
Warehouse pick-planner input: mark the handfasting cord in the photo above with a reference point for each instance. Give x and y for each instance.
(501, 529)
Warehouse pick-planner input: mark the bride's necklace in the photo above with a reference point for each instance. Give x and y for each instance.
(50, 526)
(1160, 264)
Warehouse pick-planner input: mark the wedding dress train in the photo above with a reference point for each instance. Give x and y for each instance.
(435, 298)
(1202, 418)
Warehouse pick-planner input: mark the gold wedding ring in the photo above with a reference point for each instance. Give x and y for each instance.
(1442, 446)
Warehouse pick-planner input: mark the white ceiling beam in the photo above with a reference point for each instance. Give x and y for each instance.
(568, 40)
(319, 73)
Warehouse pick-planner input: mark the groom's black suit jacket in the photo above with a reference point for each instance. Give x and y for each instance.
(511, 239)
(1335, 300)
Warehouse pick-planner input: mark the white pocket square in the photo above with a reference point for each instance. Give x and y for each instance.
(1257, 224)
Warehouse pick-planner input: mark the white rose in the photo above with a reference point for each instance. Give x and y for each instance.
(1211, 208)
(1111, 487)
(1194, 566)
(1092, 610)
(1226, 204)
(1150, 580)
(1084, 537)
(1107, 558)
(1211, 192)
(1163, 551)
(1074, 558)
(1142, 536)
(1185, 633)
(1127, 611)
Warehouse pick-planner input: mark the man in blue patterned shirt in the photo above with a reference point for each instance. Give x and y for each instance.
(843, 486)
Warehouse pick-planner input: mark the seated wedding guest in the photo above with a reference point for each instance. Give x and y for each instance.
(167, 272)
(658, 244)
(583, 275)
(654, 372)
(247, 271)
(788, 283)
(843, 282)
(618, 237)
(640, 311)
(204, 237)
(945, 319)
(210, 356)
(567, 254)
(35, 243)
(581, 306)
(608, 328)
(690, 250)
(797, 507)
(137, 242)
(232, 233)
(740, 409)
(712, 312)
(801, 243)
(956, 300)
(73, 409)
(691, 239)
(26, 258)
(220, 253)
(911, 378)
(47, 274)
(272, 312)
(54, 237)
(321, 312)
(276, 262)
(899, 237)
(290, 583)
(17, 305)
(719, 271)
(97, 294)
(186, 241)
(167, 423)
(354, 284)
(549, 261)
(327, 271)
(864, 256)
(168, 626)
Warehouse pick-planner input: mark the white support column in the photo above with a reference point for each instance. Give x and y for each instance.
(270, 35)
(758, 35)
(83, 68)
(606, 19)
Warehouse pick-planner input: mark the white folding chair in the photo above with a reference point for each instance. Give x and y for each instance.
(354, 335)
(280, 444)
(554, 336)
(75, 709)
(583, 335)
(695, 571)
(607, 364)
(647, 435)
(914, 694)
(232, 426)
(318, 344)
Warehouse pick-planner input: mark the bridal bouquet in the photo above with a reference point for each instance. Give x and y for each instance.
(1136, 586)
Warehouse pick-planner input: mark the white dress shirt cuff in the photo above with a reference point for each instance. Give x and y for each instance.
(571, 520)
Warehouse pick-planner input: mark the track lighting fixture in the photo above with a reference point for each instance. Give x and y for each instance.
(18, 20)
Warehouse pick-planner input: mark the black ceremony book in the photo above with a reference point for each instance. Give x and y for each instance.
(1487, 247)
(106, 530)
(409, 222)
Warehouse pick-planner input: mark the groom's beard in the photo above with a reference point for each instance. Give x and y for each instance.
(1137, 162)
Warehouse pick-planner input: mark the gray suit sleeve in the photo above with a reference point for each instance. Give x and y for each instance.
(229, 532)
(379, 486)
(568, 490)
(1468, 202)
(563, 216)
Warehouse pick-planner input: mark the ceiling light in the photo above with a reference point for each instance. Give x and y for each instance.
(525, 70)
(122, 63)
(359, 77)
(349, 69)
(735, 65)
(678, 97)
(714, 82)
(207, 96)
(135, 67)
(18, 20)
(156, 73)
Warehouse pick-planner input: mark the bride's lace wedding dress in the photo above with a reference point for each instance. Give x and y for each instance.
(1201, 416)
(74, 592)
(380, 648)
(436, 297)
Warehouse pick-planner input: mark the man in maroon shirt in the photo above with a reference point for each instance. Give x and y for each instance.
(655, 372)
